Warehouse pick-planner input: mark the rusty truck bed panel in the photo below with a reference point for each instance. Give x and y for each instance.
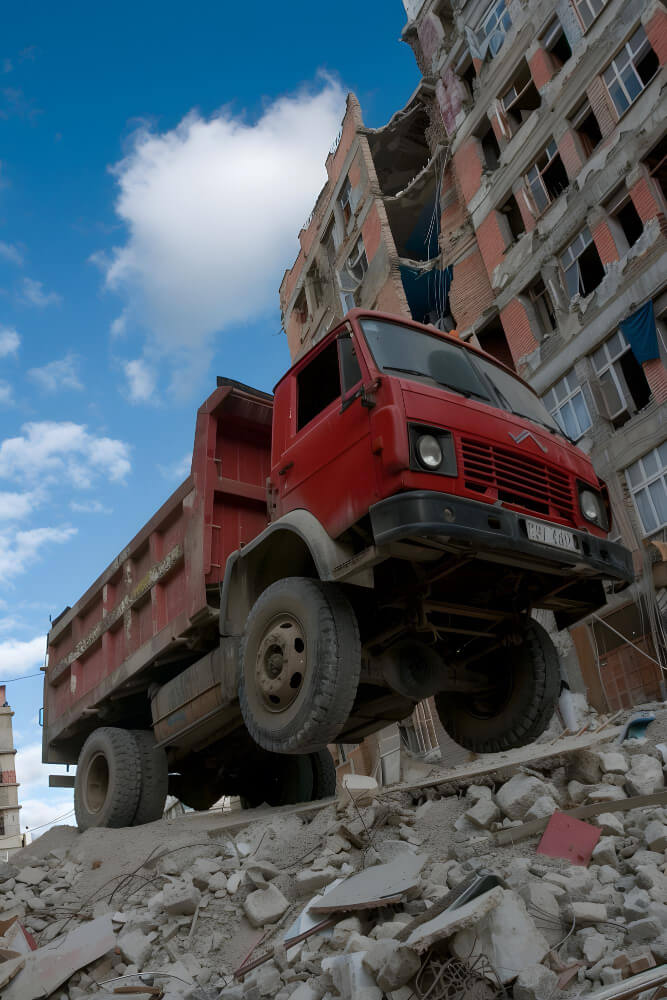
(158, 590)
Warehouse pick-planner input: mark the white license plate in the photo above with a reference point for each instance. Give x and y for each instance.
(547, 534)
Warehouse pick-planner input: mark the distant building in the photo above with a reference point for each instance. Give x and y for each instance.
(372, 237)
(11, 838)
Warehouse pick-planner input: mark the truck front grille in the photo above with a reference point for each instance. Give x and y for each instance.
(523, 482)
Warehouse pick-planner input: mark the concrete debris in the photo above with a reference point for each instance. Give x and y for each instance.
(353, 898)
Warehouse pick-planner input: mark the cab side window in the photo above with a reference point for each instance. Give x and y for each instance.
(349, 364)
(318, 384)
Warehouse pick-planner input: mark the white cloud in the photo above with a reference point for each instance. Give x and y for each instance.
(20, 549)
(33, 294)
(9, 341)
(41, 806)
(54, 375)
(118, 326)
(90, 507)
(140, 379)
(14, 506)
(18, 657)
(213, 209)
(177, 470)
(11, 253)
(6, 393)
(67, 449)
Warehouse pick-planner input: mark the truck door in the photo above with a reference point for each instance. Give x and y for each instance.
(327, 467)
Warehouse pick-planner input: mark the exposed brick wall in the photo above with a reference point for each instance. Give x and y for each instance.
(542, 68)
(9, 777)
(293, 332)
(630, 678)
(491, 241)
(646, 199)
(519, 333)
(602, 106)
(391, 298)
(656, 376)
(372, 232)
(571, 154)
(354, 173)
(471, 291)
(468, 167)
(656, 32)
(454, 214)
(604, 241)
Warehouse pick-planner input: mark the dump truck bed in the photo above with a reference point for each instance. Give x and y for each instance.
(155, 607)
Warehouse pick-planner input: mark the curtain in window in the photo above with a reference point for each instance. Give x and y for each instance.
(640, 331)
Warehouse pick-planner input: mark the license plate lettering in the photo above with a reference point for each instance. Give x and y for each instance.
(548, 534)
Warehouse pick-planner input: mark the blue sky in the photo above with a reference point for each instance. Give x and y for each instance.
(156, 165)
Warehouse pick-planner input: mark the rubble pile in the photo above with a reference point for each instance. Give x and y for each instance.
(386, 893)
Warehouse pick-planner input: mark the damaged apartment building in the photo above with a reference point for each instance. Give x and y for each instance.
(520, 199)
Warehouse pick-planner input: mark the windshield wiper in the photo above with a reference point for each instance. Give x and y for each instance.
(536, 420)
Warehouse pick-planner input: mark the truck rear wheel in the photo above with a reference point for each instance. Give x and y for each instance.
(154, 778)
(300, 662)
(324, 775)
(519, 708)
(108, 779)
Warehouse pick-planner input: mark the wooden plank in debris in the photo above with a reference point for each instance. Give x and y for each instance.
(630, 988)
(536, 826)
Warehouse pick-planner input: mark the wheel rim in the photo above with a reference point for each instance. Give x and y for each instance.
(97, 783)
(280, 664)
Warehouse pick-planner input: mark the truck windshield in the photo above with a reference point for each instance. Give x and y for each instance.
(402, 349)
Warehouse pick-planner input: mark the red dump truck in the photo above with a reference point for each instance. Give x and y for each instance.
(375, 533)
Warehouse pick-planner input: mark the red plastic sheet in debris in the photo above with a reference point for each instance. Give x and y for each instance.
(569, 838)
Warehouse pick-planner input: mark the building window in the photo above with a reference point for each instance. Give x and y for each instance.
(631, 71)
(621, 209)
(357, 262)
(510, 209)
(2, 826)
(547, 178)
(581, 265)
(490, 148)
(352, 275)
(647, 480)
(621, 379)
(521, 99)
(585, 124)
(566, 404)
(554, 40)
(494, 26)
(301, 308)
(540, 296)
(345, 202)
(656, 161)
(588, 10)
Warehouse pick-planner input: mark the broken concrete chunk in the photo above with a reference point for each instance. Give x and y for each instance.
(350, 978)
(535, 983)
(217, 882)
(610, 824)
(265, 906)
(645, 775)
(542, 808)
(594, 947)
(604, 852)
(450, 922)
(393, 964)
(180, 898)
(587, 767)
(646, 929)
(542, 903)
(134, 947)
(507, 936)
(31, 876)
(310, 880)
(655, 835)
(606, 793)
(586, 913)
(358, 788)
(613, 762)
(518, 794)
(484, 812)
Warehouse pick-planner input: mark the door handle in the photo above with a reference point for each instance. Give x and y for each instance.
(285, 469)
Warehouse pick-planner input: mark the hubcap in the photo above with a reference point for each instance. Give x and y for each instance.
(281, 663)
(97, 783)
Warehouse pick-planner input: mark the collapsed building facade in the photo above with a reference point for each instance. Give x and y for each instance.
(520, 199)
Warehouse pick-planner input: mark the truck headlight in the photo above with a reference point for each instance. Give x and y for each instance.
(593, 507)
(429, 451)
(432, 450)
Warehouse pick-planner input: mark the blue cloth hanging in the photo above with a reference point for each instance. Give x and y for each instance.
(640, 331)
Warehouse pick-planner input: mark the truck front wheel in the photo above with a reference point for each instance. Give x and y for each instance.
(525, 683)
(300, 662)
(108, 779)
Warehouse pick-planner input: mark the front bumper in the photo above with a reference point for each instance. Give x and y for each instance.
(490, 532)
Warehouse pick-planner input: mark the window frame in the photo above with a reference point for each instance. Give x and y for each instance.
(631, 57)
(595, 15)
(344, 201)
(558, 405)
(585, 229)
(539, 177)
(541, 301)
(609, 365)
(483, 34)
(643, 487)
(299, 427)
